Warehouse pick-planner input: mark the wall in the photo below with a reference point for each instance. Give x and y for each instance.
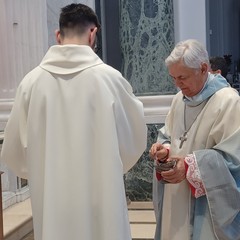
(23, 29)
(23, 44)
(223, 29)
(190, 20)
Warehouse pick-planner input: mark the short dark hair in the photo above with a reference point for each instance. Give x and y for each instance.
(76, 18)
(219, 63)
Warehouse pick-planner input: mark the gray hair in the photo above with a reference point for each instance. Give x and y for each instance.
(191, 52)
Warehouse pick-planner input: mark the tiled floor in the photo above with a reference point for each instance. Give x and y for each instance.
(17, 220)
(142, 220)
(141, 217)
(29, 237)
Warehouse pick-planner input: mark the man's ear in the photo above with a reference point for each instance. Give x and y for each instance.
(58, 37)
(92, 37)
(218, 71)
(204, 67)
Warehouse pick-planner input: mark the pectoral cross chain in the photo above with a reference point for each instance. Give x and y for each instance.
(183, 138)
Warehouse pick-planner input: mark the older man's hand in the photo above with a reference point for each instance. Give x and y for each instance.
(158, 151)
(177, 174)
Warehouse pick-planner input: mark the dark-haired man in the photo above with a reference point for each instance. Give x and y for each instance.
(75, 128)
(218, 65)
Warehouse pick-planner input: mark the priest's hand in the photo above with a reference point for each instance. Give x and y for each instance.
(177, 174)
(158, 151)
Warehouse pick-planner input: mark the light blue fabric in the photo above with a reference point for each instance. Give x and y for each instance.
(212, 85)
(158, 190)
(222, 191)
(200, 208)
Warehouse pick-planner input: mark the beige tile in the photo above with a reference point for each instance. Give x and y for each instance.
(15, 224)
(143, 231)
(139, 216)
(17, 220)
(13, 220)
(19, 208)
(141, 205)
(20, 233)
(29, 236)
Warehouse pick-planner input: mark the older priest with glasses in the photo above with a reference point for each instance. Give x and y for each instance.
(196, 187)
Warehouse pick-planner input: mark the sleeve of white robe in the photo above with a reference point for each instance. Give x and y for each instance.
(131, 127)
(15, 139)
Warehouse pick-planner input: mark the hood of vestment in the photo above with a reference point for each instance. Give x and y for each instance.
(68, 59)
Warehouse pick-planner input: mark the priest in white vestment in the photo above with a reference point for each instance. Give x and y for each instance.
(74, 130)
(199, 198)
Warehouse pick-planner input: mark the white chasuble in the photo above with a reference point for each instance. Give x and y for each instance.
(215, 121)
(75, 128)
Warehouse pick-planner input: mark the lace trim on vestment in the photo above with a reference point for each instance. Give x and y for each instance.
(193, 176)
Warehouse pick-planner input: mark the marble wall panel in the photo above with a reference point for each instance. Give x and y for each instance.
(147, 38)
(138, 181)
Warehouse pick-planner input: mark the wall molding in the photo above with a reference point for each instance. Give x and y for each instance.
(11, 198)
(155, 108)
(5, 109)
